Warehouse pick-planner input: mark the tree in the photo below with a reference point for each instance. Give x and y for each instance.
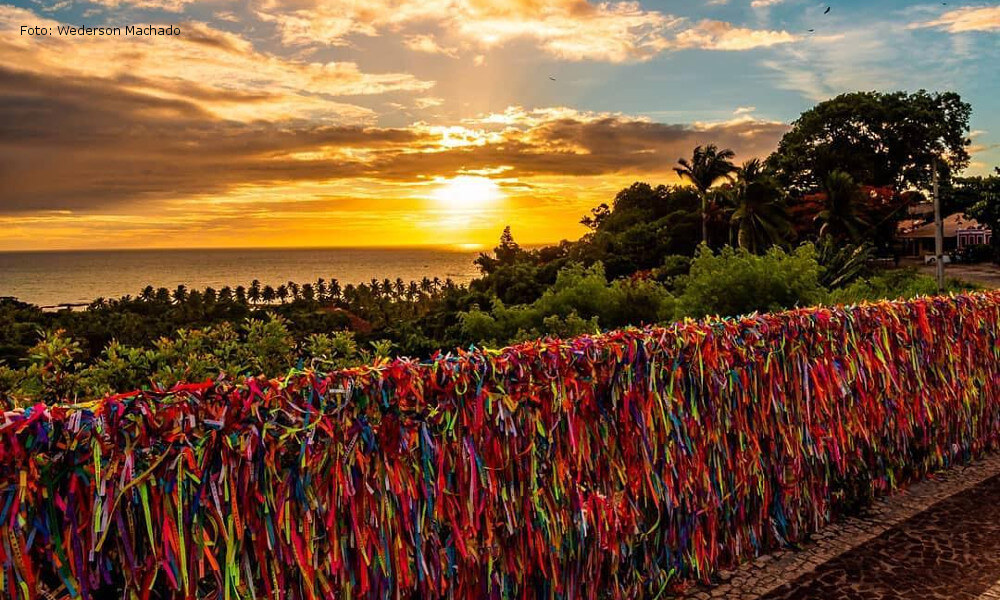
(881, 140)
(707, 166)
(986, 210)
(253, 294)
(842, 199)
(596, 217)
(759, 216)
(180, 294)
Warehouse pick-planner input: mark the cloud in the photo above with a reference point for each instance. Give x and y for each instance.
(428, 45)
(78, 144)
(428, 102)
(575, 30)
(765, 3)
(219, 71)
(166, 5)
(719, 35)
(961, 20)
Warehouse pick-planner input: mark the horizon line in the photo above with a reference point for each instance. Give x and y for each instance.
(453, 247)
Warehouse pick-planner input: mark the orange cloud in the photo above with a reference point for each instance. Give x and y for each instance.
(568, 29)
(428, 45)
(961, 20)
(218, 71)
(719, 35)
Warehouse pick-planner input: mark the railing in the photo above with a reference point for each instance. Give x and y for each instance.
(602, 466)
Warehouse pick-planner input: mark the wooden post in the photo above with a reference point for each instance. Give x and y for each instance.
(938, 231)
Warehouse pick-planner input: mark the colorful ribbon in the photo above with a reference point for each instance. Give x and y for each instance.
(609, 466)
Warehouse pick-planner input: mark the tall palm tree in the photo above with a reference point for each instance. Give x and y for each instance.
(842, 200)
(759, 215)
(707, 166)
(180, 294)
(253, 294)
(282, 293)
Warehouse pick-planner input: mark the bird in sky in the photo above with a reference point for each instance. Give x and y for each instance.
(827, 10)
(552, 78)
(812, 30)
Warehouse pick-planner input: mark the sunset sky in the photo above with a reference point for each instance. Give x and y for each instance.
(380, 122)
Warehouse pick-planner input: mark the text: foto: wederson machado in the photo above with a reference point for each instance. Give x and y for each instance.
(101, 31)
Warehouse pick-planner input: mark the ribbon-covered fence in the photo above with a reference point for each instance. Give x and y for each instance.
(606, 466)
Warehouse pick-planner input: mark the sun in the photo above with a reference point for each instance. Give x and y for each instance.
(467, 193)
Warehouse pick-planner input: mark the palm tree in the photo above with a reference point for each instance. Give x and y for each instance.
(241, 294)
(253, 294)
(321, 289)
(268, 294)
(760, 217)
(707, 166)
(308, 293)
(335, 289)
(180, 294)
(148, 293)
(294, 289)
(282, 293)
(841, 204)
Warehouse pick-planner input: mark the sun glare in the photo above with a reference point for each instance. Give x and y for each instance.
(467, 193)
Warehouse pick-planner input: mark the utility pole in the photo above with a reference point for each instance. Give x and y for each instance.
(938, 230)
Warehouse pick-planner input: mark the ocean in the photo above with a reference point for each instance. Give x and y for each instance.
(57, 277)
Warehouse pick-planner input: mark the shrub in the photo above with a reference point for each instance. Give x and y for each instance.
(894, 284)
(735, 282)
(581, 300)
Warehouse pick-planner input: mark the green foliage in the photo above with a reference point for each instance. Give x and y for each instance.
(840, 215)
(759, 216)
(894, 284)
(54, 371)
(734, 282)
(984, 193)
(878, 139)
(842, 263)
(581, 300)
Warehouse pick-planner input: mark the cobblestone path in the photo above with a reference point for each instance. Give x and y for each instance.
(939, 539)
(950, 551)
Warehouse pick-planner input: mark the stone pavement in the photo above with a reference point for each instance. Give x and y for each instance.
(938, 539)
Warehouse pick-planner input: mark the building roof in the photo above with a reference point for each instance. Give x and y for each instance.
(952, 225)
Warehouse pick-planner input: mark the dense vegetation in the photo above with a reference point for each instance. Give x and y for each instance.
(803, 227)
